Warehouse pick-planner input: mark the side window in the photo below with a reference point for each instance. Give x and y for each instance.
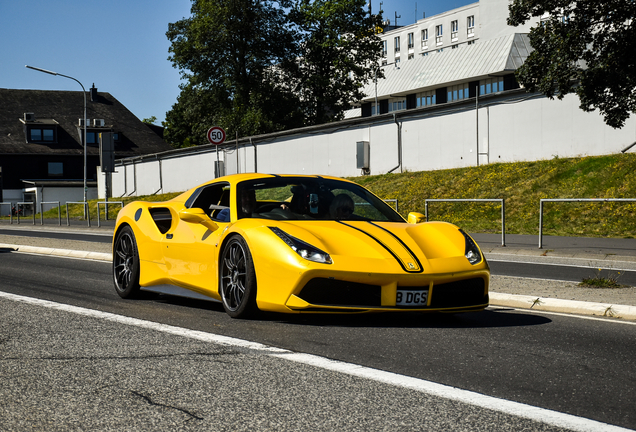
(214, 200)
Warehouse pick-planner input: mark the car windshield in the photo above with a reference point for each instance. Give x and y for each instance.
(290, 198)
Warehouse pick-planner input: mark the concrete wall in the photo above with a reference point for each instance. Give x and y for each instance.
(513, 126)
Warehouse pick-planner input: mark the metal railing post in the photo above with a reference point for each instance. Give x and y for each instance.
(86, 212)
(59, 211)
(540, 224)
(106, 204)
(24, 203)
(572, 200)
(501, 201)
(503, 223)
(10, 212)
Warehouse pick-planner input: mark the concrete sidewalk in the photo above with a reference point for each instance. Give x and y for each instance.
(536, 294)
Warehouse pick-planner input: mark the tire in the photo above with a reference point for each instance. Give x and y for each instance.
(237, 279)
(126, 264)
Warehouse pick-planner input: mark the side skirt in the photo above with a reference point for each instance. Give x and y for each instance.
(178, 292)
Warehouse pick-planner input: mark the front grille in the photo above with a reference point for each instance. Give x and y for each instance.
(332, 292)
(468, 292)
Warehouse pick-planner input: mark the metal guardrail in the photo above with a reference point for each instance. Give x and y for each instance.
(59, 211)
(601, 200)
(106, 204)
(25, 204)
(496, 200)
(393, 200)
(86, 211)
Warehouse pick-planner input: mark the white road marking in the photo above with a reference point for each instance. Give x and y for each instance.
(517, 409)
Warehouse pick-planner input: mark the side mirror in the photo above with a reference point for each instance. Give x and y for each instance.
(196, 215)
(415, 218)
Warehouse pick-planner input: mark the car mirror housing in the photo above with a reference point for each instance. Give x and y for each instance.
(415, 218)
(197, 215)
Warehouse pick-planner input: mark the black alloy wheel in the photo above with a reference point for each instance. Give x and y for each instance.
(237, 279)
(126, 264)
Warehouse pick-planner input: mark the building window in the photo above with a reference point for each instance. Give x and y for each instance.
(492, 85)
(397, 104)
(91, 138)
(424, 54)
(438, 34)
(397, 44)
(454, 30)
(471, 42)
(411, 41)
(425, 39)
(470, 26)
(426, 98)
(457, 92)
(454, 46)
(37, 134)
(56, 169)
(385, 48)
(411, 55)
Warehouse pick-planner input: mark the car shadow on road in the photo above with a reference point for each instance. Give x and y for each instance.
(489, 318)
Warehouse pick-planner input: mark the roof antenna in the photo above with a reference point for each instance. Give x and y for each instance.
(396, 17)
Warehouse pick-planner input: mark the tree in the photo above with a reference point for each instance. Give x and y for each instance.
(223, 52)
(585, 47)
(150, 120)
(340, 51)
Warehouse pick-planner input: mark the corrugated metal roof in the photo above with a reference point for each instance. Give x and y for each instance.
(467, 62)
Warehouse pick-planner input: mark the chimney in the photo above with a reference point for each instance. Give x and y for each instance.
(93, 93)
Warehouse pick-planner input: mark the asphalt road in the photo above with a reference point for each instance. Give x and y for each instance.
(557, 272)
(148, 380)
(61, 234)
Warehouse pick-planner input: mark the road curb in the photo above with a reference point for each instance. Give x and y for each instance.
(98, 256)
(563, 306)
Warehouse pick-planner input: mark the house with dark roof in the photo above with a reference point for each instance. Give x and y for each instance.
(41, 143)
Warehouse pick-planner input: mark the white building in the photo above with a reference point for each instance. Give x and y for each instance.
(446, 57)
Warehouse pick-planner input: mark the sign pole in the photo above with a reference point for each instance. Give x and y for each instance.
(216, 136)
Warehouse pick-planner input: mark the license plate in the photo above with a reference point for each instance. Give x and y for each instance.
(411, 298)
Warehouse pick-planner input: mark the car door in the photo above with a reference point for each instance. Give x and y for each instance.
(190, 249)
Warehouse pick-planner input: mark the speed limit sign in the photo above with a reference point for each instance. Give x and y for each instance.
(216, 135)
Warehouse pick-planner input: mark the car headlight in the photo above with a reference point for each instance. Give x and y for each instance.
(303, 249)
(471, 251)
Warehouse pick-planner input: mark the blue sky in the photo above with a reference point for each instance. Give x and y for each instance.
(119, 45)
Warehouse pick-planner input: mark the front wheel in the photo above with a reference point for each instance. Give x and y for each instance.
(126, 264)
(237, 279)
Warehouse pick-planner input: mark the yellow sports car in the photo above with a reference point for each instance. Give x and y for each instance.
(290, 243)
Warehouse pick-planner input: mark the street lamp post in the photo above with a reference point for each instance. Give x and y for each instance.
(84, 93)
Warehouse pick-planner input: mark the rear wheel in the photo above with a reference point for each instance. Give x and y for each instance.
(237, 279)
(126, 264)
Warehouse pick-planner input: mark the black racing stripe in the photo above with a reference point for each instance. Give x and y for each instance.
(388, 249)
(402, 243)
